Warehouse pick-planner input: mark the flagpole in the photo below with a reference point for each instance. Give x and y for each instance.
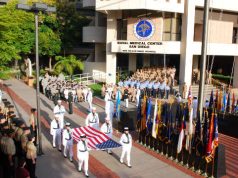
(204, 55)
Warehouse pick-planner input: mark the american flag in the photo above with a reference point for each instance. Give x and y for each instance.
(96, 139)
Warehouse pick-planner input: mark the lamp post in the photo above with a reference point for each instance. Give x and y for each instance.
(36, 8)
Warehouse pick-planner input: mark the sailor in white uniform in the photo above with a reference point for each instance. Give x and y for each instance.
(126, 141)
(55, 131)
(60, 111)
(82, 154)
(92, 119)
(109, 110)
(107, 129)
(195, 106)
(90, 99)
(68, 142)
(137, 96)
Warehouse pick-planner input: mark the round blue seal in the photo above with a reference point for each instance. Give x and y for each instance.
(144, 29)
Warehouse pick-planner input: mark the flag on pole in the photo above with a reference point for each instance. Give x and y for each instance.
(148, 116)
(223, 109)
(205, 131)
(219, 104)
(139, 115)
(143, 114)
(181, 136)
(155, 120)
(118, 103)
(197, 136)
(211, 133)
(211, 100)
(96, 139)
(228, 103)
(190, 131)
(215, 140)
(233, 103)
(216, 101)
(159, 122)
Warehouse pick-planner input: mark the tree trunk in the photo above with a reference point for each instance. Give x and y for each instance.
(50, 63)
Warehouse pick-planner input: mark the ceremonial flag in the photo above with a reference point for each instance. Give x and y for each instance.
(143, 114)
(159, 122)
(216, 101)
(96, 139)
(155, 120)
(233, 102)
(219, 104)
(228, 103)
(118, 103)
(169, 125)
(148, 116)
(139, 115)
(215, 140)
(211, 133)
(211, 100)
(205, 131)
(181, 137)
(223, 109)
(190, 131)
(197, 136)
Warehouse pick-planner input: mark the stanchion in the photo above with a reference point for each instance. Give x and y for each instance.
(176, 159)
(167, 150)
(213, 165)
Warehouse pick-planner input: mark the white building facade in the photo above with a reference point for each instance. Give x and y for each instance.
(142, 33)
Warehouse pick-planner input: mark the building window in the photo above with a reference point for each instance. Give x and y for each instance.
(121, 29)
(234, 36)
(172, 27)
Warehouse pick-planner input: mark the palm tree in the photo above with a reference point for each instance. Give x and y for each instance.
(68, 64)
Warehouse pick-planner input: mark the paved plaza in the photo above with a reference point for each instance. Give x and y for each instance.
(53, 164)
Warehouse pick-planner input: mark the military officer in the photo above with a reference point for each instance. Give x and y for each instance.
(68, 142)
(126, 141)
(83, 154)
(126, 96)
(90, 99)
(109, 110)
(137, 96)
(70, 100)
(31, 156)
(92, 119)
(55, 131)
(107, 129)
(59, 110)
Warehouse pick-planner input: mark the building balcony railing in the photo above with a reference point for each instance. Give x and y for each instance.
(94, 34)
(159, 5)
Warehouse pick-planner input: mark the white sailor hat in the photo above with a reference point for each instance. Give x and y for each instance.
(94, 108)
(59, 101)
(67, 124)
(126, 128)
(82, 136)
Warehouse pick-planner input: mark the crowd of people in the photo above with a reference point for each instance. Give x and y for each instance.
(56, 88)
(18, 150)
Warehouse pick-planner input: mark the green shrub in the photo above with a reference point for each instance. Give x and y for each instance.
(222, 78)
(96, 88)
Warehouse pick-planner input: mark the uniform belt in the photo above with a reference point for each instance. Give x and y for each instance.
(67, 139)
(126, 142)
(92, 122)
(55, 128)
(107, 132)
(83, 150)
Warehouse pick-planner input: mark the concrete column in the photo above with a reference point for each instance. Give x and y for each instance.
(186, 57)
(146, 60)
(235, 76)
(195, 62)
(132, 62)
(111, 59)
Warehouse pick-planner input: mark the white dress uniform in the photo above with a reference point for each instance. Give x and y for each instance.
(83, 155)
(109, 109)
(60, 110)
(90, 99)
(68, 143)
(195, 106)
(66, 94)
(137, 96)
(126, 141)
(55, 131)
(92, 120)
(106, 128)
(85, 92)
